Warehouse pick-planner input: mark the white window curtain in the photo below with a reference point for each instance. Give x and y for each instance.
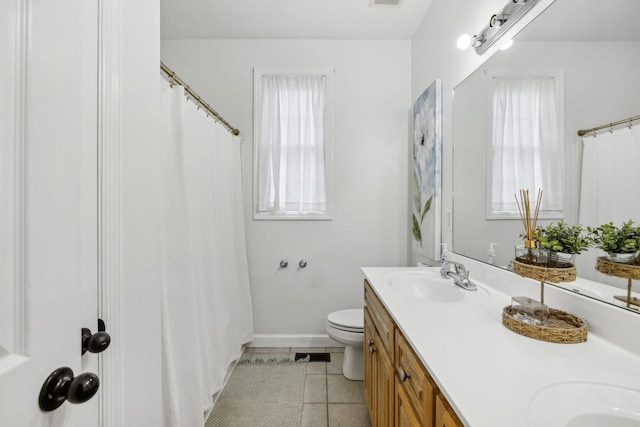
(291, 144)
(527, 151)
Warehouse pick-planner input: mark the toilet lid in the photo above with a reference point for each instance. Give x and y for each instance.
(351, 320)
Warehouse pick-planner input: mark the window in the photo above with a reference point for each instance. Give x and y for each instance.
(526, 149)
(292, 133)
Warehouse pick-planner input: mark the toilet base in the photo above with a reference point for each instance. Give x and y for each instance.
(353, 363)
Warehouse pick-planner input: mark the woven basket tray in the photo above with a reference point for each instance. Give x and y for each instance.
(563, 328)
(544, 274)
(627, 271)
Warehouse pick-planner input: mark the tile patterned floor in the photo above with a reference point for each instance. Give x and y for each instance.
(330, 400)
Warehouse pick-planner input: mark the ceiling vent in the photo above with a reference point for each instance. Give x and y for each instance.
(385, 3)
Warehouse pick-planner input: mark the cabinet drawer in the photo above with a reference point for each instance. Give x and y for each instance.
(381, 318)
(413, 379)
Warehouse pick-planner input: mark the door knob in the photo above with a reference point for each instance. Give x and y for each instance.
(95, 343)
(61, 385)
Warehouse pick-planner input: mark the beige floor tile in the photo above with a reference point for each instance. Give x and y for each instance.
(342, 390)
(314, 415)
(335, 349)
(348, 415)
(315, 389)
(335, 366)
(271, 350)
(317, 368)
(246, 354)
(267, 356)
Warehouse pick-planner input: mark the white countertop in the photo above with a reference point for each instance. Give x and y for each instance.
(488, 373)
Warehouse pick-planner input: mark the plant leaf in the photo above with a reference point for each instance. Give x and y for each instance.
(416, 229)
(426, 208)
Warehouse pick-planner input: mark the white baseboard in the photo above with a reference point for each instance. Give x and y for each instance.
(284, 340)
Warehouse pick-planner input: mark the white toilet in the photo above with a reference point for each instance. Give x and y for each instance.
(347, 327)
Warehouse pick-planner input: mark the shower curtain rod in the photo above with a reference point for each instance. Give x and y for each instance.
(175, 79)
(630, 120)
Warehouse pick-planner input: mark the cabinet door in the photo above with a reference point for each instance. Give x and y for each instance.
(404, 415)
(384, 388)
(370, 361)
(445, 417)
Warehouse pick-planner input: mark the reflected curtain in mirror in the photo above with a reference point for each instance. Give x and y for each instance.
(610, 176)
(526, 143)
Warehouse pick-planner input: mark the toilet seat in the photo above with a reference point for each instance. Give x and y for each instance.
(347, 320)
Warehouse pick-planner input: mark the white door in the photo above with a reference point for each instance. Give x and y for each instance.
(48, 237)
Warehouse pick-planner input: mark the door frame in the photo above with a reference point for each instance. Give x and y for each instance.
(109, 365)
(129, 258)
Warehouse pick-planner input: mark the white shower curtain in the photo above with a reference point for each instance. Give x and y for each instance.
(609, 189)
(206, 301)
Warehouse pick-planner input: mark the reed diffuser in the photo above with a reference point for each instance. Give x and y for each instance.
(529, 252)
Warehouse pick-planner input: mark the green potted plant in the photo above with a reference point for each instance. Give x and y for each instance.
(620, 243)
(563, 242)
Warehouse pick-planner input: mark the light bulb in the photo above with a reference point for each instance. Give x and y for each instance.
(464, 41)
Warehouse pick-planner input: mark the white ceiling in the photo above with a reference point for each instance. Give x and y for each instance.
(286, 19)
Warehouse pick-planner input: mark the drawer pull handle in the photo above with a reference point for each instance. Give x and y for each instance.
(370, 343)
(403, 376)
(372, 349)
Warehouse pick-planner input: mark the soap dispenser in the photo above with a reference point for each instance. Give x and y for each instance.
(444, 253)
(491, 253)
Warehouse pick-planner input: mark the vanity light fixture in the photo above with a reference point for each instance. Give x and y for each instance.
(497, 20)
(499, 24)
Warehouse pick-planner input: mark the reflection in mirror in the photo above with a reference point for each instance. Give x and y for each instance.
(596, 59)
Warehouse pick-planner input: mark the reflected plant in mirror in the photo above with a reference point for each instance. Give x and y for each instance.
(620, 243)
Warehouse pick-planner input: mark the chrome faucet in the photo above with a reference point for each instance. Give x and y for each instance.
(458, 273)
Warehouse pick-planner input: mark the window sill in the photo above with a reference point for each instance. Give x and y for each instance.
(292, 216)
(516, 215)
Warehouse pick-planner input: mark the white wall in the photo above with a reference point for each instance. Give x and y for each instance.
(371, 158)
(434, 55)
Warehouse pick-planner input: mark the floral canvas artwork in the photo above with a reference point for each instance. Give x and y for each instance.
(427, 171)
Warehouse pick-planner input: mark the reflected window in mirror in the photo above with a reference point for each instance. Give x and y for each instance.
(525, 142)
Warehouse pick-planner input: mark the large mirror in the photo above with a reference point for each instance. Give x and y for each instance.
(593, 50)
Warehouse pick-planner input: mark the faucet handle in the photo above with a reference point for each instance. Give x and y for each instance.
(461, 269)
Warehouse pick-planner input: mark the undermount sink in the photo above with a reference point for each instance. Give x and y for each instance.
(585, 404)
(427, 285)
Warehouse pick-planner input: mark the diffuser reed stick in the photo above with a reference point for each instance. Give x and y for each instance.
(529, 222)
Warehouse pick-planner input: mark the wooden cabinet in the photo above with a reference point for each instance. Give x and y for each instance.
(398, 389)
(384, 390)
(370, 362)
(378, 362)
(412, 378)
(405, 416)
(445, 417)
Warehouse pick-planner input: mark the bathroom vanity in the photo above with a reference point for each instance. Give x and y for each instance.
(408, 398)
(438, 355)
